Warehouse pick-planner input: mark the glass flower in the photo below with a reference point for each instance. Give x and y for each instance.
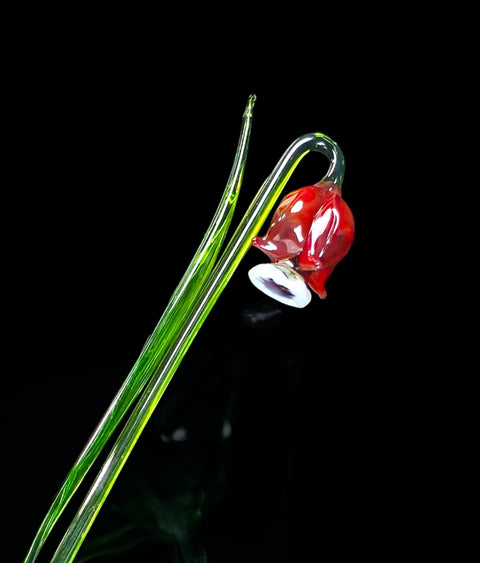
(311, 231)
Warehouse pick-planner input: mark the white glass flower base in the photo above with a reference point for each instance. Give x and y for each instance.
(282, 283)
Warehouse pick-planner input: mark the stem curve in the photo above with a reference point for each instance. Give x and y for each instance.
(189, 326)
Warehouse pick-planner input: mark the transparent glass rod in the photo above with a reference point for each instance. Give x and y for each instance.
(190, 324)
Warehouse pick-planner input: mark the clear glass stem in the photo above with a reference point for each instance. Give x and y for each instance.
(187, 326)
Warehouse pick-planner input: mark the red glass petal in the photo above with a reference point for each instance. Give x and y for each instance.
(316, 281)
(330, 238)
(292, 220)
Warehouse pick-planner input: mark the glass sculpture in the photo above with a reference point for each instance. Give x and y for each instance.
(311, 231)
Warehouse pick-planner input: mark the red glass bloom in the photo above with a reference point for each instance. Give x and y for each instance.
(311, 231)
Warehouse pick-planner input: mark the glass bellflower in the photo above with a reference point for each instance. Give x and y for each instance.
(311, 231)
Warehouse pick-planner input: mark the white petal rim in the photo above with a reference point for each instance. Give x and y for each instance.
(282, 283)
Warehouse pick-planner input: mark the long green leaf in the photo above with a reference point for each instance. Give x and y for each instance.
(159, 341)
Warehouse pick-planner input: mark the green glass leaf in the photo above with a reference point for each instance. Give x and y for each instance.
(159, 341)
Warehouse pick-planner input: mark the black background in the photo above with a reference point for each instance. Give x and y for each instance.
(121, 145)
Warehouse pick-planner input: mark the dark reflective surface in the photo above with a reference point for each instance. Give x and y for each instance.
(259, 450)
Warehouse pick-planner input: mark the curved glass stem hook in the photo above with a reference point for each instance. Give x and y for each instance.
(188, 314)
(193, 320)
